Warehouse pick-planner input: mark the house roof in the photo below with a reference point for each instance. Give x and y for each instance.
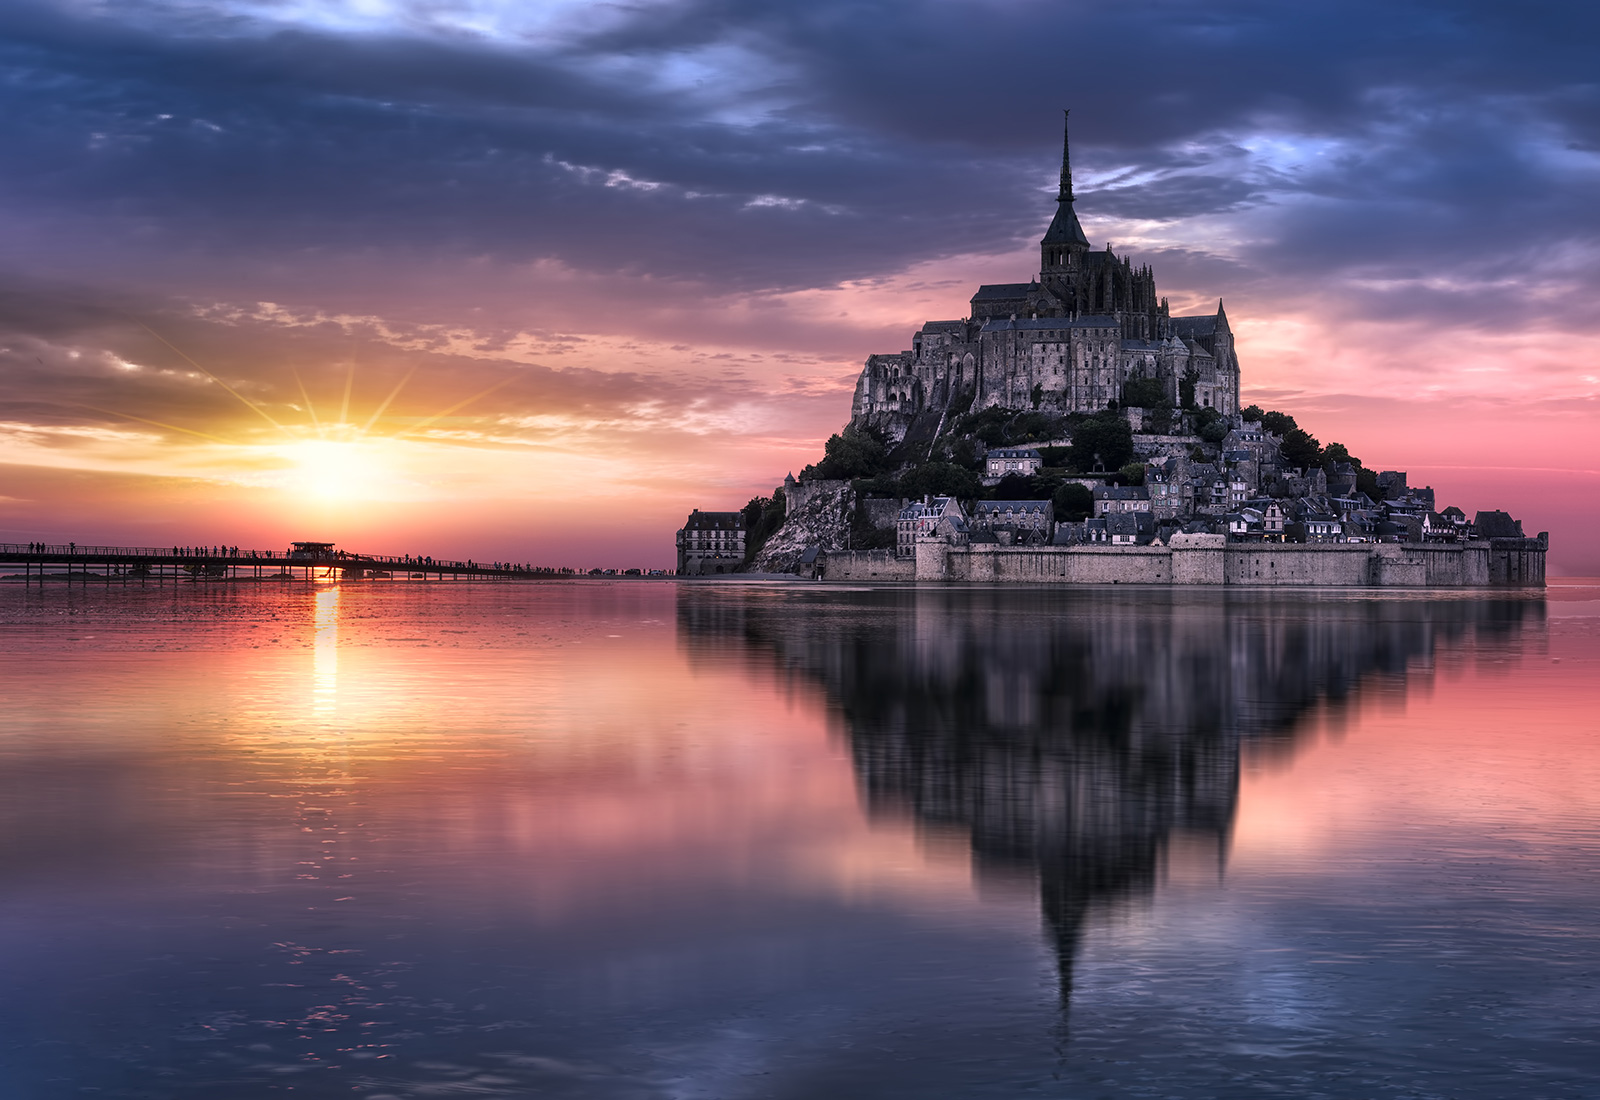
(986, 507)
(1014, 452)
(1121, 492)
(714, 521)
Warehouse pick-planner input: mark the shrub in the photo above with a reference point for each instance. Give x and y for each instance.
(1073, 502)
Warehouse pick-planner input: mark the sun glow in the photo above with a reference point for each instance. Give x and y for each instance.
(335, 470)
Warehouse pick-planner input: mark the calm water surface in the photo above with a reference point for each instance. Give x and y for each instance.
(652, 840)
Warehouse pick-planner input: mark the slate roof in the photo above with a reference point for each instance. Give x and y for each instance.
(988, 507)
(1195, 326)
(1064, 227)
(991, 291)
(714, 521)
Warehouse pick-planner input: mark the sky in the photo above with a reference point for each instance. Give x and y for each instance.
(529, 281)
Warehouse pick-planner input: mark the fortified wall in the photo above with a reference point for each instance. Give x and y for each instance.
(1208, 560)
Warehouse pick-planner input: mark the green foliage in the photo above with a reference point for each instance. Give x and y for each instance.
(1104, 438)
(1367, 482)
(1252, 412)
(1186, 388)
(1301, 449)
(940, 479)
(1215, 431)
(999, 427)
(990, 425)
(1055, 456)
(1279, 424)
(1132, 473)
(852, 453)
(1020, 487)
(762, 518)
(1335, 453)
(1073, 502)
(964, 453)
(1145, 393)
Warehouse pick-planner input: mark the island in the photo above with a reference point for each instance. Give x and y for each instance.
(1072, 430)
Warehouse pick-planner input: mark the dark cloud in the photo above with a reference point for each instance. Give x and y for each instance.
(201, 151)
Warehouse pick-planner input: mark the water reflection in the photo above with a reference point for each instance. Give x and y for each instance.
(325, 651)
(1083, 738)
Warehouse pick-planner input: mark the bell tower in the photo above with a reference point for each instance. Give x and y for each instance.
(1061, 251)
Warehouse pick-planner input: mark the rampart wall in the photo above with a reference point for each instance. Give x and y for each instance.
(1207, 560)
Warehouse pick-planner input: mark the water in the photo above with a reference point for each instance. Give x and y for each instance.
(650, 840)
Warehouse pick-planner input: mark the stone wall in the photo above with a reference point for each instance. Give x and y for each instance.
(1206, 559)
(866, 565)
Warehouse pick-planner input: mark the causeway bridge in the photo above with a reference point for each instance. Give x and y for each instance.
(161, 565)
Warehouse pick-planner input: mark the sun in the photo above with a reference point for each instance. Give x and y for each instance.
(341, 470)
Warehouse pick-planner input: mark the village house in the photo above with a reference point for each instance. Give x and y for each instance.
(1111, 499)
(1015, 522)
(711, 542)
(925, 517)
(1024, 461)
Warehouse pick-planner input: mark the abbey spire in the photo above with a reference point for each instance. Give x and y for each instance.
(1064, 239)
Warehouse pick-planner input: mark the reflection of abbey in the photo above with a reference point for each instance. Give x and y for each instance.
(1068, 341)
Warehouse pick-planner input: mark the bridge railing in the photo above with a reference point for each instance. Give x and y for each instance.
(72, 549)
(231, 554)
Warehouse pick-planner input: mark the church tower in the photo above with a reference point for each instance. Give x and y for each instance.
(1062, 249)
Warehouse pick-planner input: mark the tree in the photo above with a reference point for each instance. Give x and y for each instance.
(852, 453)
(1104, 439)
(1335, 453)
(1023, 487)
(1301, 449)
(1132, 473)
(940, 479)
(1144, 393)
(1211, 425)
(1186, 388)
(1037, 395)
(1073, 502)
(1252, 412)
(1279, 424)
(1367, 482)
(762, 518)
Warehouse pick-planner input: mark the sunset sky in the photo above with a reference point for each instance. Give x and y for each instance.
(519, 280)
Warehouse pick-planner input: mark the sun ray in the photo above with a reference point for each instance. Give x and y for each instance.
(349, 384)
(159, 424)
(373, 419)
(453, 408)
(310, 408)
(251, 404)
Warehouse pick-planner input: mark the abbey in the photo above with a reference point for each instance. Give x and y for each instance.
(1069, 341)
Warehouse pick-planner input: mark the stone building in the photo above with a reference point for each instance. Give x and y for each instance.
(1023, 461)
(711, 542)
(926, 517)
(1016, 522)
(1068, 340)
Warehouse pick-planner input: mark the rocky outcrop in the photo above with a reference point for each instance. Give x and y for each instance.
(819, 513)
